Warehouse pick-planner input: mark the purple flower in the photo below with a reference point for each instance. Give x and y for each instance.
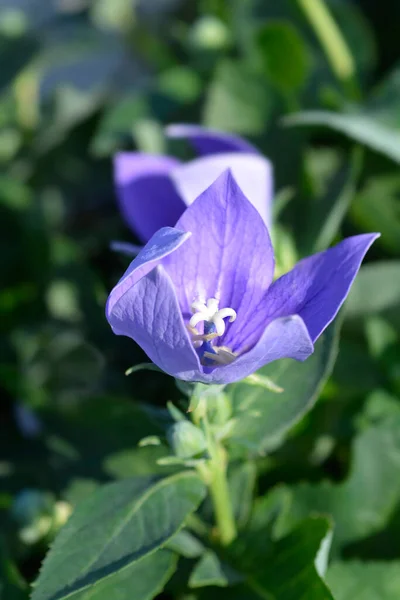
(200, 298)
(153, 190)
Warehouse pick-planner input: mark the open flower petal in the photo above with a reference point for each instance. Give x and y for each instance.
(146, 194)
(253, 174)
(149, 313)
(283, 338)
(208, 141)
(229, 256)
(317, 287)
(165, 241)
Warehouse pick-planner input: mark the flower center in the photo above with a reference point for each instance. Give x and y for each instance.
(214, 325)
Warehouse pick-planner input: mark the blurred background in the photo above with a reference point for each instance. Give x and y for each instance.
(81, 79)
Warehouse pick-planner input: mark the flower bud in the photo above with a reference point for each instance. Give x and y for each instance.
(186, 439)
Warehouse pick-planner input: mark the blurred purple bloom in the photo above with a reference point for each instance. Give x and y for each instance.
(153, 190)
(199, 298)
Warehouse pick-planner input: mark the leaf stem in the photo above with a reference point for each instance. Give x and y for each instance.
(332, 41)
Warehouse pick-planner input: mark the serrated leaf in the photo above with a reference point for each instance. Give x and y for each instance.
(142, 580)
(359, 127)
(364, 581)
(284, 55)
(263, 416)
(113, 529)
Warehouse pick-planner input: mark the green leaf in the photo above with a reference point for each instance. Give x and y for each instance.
(363, 503)
(143, 367)
(237, 100)
(186, 544)
(141, 580)
(376, 208)
(115, 528)
(284, 55)
(286, 569)
(331, 207)
(12, 586)
(263, 416)
(242, 481)
(358, 127)
(376, 289)
(364, 581)
(207, 572)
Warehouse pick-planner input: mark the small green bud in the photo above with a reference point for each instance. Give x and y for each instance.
(186, 439)
(210, 33)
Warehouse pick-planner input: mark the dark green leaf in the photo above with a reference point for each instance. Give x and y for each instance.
(264, 416)
(363, 503)
(286, 569)
(284, 55)
(113, 529)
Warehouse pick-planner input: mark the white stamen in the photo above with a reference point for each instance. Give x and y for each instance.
(227, 312)
(219, 324)
(209, 312)
(197, 318)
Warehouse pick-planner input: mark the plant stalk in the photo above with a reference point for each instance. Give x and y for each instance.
(215, 475)
(220, 496)
(332, 41)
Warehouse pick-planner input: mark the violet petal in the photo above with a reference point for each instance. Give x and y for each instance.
(253, 174)
(317, 286)
(208, 141)
(228, 257)
(146, 194)
(148, 312)
(283, 338)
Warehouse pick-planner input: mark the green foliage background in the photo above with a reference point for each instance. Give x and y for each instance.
(80, 79)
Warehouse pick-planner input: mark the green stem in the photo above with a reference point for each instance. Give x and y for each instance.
(218, 484)
(220, 495)
(332, 41)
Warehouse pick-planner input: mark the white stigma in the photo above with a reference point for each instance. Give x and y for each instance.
(209, 312)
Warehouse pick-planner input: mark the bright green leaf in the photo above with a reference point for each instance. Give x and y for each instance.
(376, 208)
(358, 127)
(376, 289)
(364, 581)
(237, 100)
